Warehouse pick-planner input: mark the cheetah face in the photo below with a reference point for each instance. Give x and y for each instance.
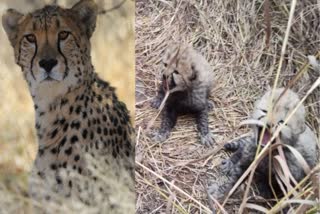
(51, 46)
(280, 111)
(178, 70)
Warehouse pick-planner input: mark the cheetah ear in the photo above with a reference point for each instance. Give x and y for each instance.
(86, 11)
(10, 23)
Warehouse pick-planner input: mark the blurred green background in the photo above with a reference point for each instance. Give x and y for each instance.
(113, 58)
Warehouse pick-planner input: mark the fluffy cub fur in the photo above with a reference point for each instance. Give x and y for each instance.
(189, 78)
(295, 134)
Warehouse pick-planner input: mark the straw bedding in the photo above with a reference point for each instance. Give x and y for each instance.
(242, 41)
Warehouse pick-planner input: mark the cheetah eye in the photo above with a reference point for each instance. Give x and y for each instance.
(193, 77)
(281, 122)
(63, 35)
(165, 64)
(264, 111)
(175, 72)
(31, 38)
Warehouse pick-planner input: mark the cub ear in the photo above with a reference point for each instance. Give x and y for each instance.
(86, 11)
(10, 23)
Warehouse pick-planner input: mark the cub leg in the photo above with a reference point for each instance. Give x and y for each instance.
(234, 167)
(156, 101)
(169, 119)
(206, 136)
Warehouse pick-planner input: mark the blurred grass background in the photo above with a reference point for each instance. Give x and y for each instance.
(113, 58)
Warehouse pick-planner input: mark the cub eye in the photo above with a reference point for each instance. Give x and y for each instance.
(193, 77)
(31, 38)
(281, 121)
(175, 72)
(165, 64)
(264, 111)
(63, 35)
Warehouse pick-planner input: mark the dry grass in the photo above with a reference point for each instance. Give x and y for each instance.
(113, 58)
(232, 36)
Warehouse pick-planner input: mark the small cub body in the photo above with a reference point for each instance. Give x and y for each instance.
(295, 134)
(189, 78)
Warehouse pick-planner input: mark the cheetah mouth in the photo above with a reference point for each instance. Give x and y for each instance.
(48, 79)
(267, 135)
(258, 127)
(168, 84)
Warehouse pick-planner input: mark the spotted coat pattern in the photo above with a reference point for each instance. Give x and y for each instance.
(78, 115)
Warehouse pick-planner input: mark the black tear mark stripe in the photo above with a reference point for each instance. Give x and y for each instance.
(19, 55)
(64, 58)
(32, 59)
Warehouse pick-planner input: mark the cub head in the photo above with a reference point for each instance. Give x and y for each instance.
(51, 45)
(281, 108)
(178, 68)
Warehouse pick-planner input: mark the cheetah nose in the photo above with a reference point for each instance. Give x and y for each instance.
(48, 64)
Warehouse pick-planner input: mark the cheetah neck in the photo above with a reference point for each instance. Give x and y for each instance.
(48, 115)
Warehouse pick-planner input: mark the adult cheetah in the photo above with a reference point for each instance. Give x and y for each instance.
(79, 119)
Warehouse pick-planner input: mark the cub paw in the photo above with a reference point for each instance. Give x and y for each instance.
(230, 146)
(155, 103)
(159, 137)
(207, 139)
(215, 191)
(210, 105)
(226, 166)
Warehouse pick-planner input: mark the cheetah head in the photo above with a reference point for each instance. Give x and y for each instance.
(178, 71)
(51, 45)
(281, 108)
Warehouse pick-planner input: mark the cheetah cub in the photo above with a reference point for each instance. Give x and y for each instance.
(189, 78)
(78, 114)
(295, 133)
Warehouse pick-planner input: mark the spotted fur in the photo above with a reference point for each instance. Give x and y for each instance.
(190, 76)
(77, 113)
